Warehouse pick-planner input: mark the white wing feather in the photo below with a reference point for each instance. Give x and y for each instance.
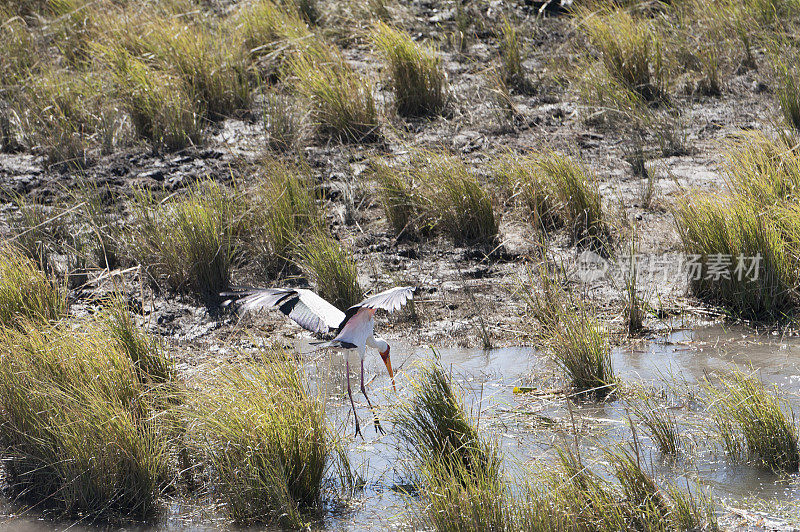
(304, 307)
(389, 300)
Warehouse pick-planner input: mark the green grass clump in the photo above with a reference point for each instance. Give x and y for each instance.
(67, 115)
(580, 346)
(457, 470)
(284, 209)
(159, 104)
(283, 122)
(188, 244)
(79, 428)
(452, 201)
(212, 70)
(342, 106)
(150, 363)
(788, 90)
(631, 51)
(658, 421)
(332, 269)
(571, 333)
(417, 78)
(522, 177)
(577, 191)
(758, 219)
(512, 74)
(26, 293)
(16, 46)
(434, 426)
(575, 497)
(265, 439)
(557, 191)
(397, 198)
(754, 423)
(710, 228)
(263, 23)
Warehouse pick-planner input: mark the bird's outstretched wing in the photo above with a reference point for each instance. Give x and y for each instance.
(389, 300)
(304, 307)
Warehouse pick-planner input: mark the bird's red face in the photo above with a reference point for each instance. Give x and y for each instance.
(388, 362)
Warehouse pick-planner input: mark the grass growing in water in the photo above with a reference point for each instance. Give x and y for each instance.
(26, 293)
(455, 468)
(282, 210)
(753, 423)
(417, 78)
(266, 439)
(79, 428)
(571, 333)
(658, 421)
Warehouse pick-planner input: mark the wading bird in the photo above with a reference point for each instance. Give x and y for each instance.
(354, 328)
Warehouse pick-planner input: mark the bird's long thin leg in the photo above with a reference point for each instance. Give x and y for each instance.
(350, 393)
(375, 419)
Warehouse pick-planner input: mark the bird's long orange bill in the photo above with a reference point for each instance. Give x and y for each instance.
(388, 362)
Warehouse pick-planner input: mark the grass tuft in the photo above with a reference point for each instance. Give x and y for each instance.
(79, 428)
(455, 468)
(283, 122)
(572, 334)
(331, 267)
(658, 421)
(452, 200)
(576, 497)
(437, 193)
(631, 51)
(282, 210)
(26, 293)
(753, 423)
(788, 89)
(197, 253)
(161, 109)
(417, 78)
(145, 352)
(265, 439)
(759, 220)
(342, 105)
(511, 71)
(557, 191)
(398, 199)
(580, 346)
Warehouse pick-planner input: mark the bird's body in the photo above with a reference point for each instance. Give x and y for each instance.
(354, 328)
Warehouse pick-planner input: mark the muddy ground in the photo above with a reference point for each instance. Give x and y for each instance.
(461, 290)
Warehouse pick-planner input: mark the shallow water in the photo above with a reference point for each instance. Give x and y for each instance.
(526, 426)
